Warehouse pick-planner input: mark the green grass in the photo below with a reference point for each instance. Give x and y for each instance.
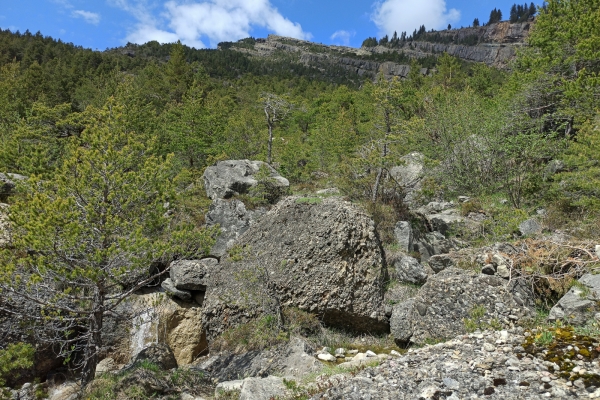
(309, 200)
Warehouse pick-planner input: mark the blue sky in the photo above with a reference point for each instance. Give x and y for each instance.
(102, 24)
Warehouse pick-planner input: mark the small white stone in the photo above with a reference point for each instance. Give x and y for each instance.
(395, 353)
(326, 357)
(369, 353)
(489, 347)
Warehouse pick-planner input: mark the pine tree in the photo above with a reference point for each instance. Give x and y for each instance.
(514, 17)
(475, 22)
(79, 237)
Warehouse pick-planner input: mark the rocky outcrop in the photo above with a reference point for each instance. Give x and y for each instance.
(324, 258)
(267, 388)
(233, 219)
(448, 299)
(233, 177)
(192, 274)
(580, 304)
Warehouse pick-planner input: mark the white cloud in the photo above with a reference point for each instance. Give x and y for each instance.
(407, 15)
(217, 20)
(342, 37)
(89, 17)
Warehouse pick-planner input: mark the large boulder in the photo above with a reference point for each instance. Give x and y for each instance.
(233, 177)
(409, 175)
(450, 298)
(323, 257)
(580, 303)
(5, 237)
(233, 219)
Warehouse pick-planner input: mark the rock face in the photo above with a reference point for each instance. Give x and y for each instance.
(578, 305)
(293, 360)
(233, 218)
(448, 298)
(5, 237)
(158, 318)
(404, 236)
(232, 177)
(409, 174)
(170, 288)
(324, 258)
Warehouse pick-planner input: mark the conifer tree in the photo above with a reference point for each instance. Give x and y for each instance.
(83, 241)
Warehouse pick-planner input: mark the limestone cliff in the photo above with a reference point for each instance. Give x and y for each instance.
(495, 45)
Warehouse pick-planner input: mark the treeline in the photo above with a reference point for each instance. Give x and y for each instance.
(518, 13)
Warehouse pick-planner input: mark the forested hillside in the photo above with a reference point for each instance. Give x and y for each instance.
(115, 145)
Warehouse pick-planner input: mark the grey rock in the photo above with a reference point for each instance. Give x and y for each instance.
(409, 175)
(262, 388)
(170, 288)
(191, 274)
(404, 236)
(502, 271)
(451, 383)
(323, 258)
(530, 227)
(8, 183)
(233, 177)
(233, 219)
(440, 262)
(577, 307)
(228, 386)
(292, 360)
(554, 167)
(463, 199)
(434, 243)
(408, 269)
(159, 354)
(328, 192)
(401, 321)
(443, 223)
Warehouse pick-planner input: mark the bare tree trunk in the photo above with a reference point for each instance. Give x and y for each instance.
(270, 145)
(94, 344)
(376, 186)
